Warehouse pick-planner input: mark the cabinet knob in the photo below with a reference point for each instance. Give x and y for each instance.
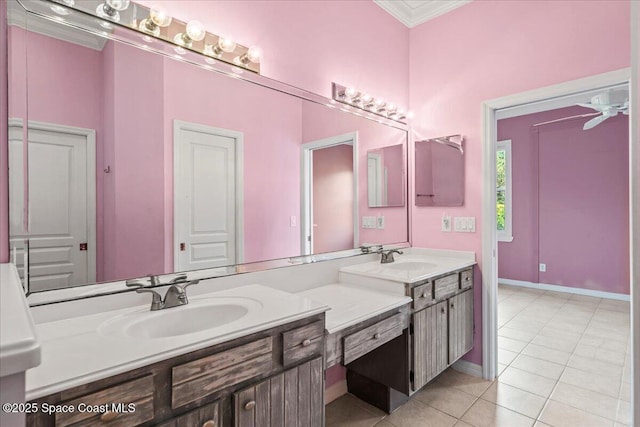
(209, 423)
(109, 416)
(376, 336)
(442, 310)
(250, 405)
(452, 306)
(466, 279)
(424, 295)
(306, 343)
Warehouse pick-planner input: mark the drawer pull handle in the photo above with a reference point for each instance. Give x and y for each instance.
(250, 405)
(306, 343)
(109, 416)
(376, 336)
(424, 295)
(209, 423)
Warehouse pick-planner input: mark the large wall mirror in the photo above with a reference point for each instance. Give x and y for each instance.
(439, 173)
(125, 162)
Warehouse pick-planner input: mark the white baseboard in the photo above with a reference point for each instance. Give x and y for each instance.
(334, 391)
(566, 289)
(469, 368)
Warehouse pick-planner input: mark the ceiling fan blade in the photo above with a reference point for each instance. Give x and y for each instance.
(595, 122)
(587, 105)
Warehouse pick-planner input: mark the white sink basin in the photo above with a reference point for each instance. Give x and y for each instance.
(411, 265)
(197, 316)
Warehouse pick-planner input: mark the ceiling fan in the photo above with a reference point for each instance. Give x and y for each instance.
(607, 104)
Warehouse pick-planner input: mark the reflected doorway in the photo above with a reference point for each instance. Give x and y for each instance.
(329, 195)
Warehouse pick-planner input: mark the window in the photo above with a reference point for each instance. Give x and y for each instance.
(503, 191)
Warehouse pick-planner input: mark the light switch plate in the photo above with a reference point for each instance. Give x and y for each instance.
(543, 267)
(446, 223)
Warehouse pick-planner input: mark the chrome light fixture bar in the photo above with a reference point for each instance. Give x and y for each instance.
(156, 23)
(453, 141)
(364, 101)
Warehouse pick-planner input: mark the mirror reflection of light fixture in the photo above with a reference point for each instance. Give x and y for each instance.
(453, 141)
(352, 97)
(158, 18)
(194, 32)
(111, 9)
(60, 10)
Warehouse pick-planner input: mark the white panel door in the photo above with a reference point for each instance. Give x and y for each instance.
(205, 197)
(61, 252)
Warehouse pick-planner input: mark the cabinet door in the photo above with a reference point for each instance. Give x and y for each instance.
(294, 398)
(429, 344)
(460, 325)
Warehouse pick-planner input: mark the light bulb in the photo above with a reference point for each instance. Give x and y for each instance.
(350, 92)
(160, 17)
(410, 115)
(118, 4)
(110, 8)
(195, 30)
(379, 102)
(226, 44)
(254, 54)
(366, 98)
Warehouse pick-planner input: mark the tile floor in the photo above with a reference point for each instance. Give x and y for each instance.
(563, 361)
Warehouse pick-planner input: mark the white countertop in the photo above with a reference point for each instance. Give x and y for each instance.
(421, 264)
(75, 353)
(19, 347)
(352, 304)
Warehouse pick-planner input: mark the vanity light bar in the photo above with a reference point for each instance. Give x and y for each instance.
(364, 101)
(156, 23)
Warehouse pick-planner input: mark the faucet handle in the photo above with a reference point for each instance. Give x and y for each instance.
(156, 301)
(136, 283)
(180, 278)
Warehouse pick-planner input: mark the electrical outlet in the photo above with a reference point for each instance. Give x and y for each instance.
(543, 267)
(381, 222)
(446, 223)
(292, 221)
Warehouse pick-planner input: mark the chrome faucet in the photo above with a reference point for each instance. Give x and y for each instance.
(175, 296)
(387, 256)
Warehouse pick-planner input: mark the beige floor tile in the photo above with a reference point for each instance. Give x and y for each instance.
(463, 382)
(516, 334)
(599, 353)
(538, 366)
(555, 343)
(527, 381)
(541, 424)
(348, 411)
(587, 400)
(506, 357)
(613, 305)
(557, 330)
(594, 382)
(560, 415)
(606, 343)
(511, 344)
(515, 399)
(417, 414)
(384, 423)
(525, 325)
(545, 353)
(501, 368)
(487, 414)
(462, 424)
(624, 413)
(595, 366)
(449, 400)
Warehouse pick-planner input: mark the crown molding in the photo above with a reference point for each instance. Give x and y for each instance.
(17, 16)
(415, 12)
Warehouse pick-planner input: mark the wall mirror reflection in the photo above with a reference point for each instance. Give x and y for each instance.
(439, 172)
(125, 163)
(386, 179)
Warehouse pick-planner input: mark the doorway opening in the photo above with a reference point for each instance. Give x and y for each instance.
(330, 186)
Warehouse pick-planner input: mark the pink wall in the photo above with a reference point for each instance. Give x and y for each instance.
(486, 50)
(333, 199)
(571, 204)
(319, 122)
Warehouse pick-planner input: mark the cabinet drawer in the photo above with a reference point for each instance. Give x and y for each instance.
(368, 339)
(302, 343)
(206, 416)
(422, 296)
(200, 378)
(139, 392)
(446, 286)
(466, 279)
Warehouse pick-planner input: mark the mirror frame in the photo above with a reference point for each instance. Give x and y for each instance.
(77, 19)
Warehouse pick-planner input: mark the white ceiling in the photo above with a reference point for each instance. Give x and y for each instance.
(415, 12)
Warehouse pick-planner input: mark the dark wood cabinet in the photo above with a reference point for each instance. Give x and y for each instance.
(293, 398)
(429, 343)
(460, 325)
